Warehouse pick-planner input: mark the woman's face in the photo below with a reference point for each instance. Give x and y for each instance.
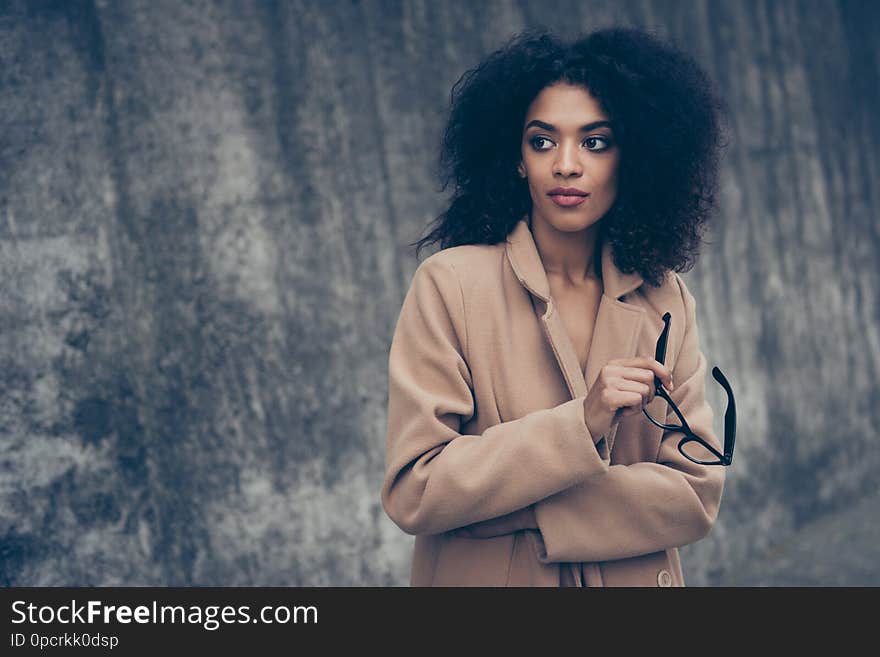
(566, 145)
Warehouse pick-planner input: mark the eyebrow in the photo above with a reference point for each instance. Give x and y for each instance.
(584, 128)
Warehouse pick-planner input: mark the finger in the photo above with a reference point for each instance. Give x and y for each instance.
(624, 401)
(645, 391)
(639, 374)
(659, 369)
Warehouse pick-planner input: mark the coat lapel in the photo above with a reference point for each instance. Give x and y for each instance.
(615, 334)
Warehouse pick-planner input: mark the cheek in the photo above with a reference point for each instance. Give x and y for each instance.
(606, 177)
(536, 179)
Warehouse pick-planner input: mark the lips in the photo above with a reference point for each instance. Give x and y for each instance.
(567, 191)
(568, 197)
(564, 201)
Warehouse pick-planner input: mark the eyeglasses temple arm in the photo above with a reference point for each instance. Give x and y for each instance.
(729, 415)
(660, 352)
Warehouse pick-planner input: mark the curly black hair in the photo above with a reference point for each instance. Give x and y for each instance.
(668, 123)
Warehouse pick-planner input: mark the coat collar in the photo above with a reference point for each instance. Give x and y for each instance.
(615, 333)
(526, 261)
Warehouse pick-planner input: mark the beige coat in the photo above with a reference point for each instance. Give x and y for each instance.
(485, 416)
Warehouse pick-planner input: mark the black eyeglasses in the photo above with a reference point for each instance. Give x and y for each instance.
(689, 436)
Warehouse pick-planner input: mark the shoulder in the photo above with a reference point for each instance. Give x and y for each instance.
(672, 294)
(466, 256)
(434, 307)
(673, 297)
(446, 278)
(465, 264)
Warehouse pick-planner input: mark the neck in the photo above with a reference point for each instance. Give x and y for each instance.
(568, 257)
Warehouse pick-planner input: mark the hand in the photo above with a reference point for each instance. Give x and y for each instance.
(624, 387)
(507, 524)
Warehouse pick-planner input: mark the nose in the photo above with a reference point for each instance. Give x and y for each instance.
(567, 162)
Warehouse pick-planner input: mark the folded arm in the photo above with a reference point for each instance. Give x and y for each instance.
(437, 479)
(628, 510)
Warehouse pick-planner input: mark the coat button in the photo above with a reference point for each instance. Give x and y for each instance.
(664, 578)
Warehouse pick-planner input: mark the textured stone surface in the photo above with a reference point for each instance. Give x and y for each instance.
(835, 549)
(204, 208)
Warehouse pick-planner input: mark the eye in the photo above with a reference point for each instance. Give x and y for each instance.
(604, 143)
(596, 143)
(534, 141)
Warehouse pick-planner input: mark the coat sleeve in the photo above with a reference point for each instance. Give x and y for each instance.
(629, 510)
(437, 479)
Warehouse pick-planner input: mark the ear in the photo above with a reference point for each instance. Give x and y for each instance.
(522, 170)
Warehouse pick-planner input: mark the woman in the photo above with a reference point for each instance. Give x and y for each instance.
(517, 452)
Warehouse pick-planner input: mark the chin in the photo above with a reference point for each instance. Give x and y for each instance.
(570, 223)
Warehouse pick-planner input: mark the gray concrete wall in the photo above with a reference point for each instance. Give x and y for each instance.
(204, 208)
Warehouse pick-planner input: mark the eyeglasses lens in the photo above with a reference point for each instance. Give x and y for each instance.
(695, 450)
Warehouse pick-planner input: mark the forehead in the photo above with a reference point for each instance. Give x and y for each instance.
(565, 106)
